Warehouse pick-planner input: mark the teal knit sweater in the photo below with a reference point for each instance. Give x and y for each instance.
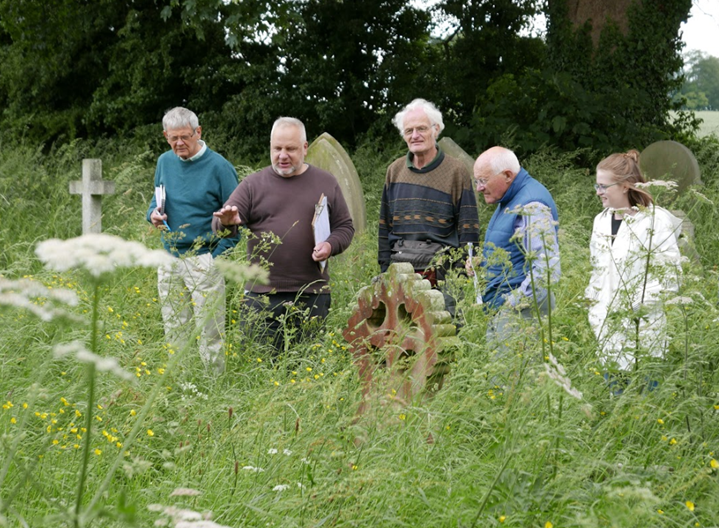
(194, 189)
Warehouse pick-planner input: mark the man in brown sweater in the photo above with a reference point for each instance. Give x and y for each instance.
(280, 200)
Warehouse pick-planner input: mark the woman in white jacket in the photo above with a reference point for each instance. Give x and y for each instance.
(635, 259)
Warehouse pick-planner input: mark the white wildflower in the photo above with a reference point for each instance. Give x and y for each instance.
(45, 303)
(667, 184)
(83, 355)
(272, 451)
(557, 373)
(242, 273)
(199, 524)
(253, 469)
(98, 253)
(300, 485)
(185, 492)
(280, 487)
(286, 452)
(680, 300)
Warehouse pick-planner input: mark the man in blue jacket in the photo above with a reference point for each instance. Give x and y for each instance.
(521, 250)
(196, 182)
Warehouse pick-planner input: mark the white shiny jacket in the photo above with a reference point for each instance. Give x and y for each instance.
(630, 277)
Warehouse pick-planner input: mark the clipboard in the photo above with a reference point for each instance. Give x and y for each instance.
(321, 224)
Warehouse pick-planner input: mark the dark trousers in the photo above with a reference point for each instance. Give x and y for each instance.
(286, 317)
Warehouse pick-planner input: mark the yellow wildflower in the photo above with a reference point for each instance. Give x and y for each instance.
(689, 505)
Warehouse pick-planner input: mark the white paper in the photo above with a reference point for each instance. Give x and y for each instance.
(470, 252)
(321, 224)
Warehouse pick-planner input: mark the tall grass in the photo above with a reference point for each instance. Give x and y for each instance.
(274, 441)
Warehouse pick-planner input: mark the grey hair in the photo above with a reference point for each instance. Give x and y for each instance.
(504, 159)
(289, 121)
(433, 113)
(179, 117)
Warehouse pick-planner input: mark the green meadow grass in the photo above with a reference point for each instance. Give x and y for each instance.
(710, 123)
(276, 441)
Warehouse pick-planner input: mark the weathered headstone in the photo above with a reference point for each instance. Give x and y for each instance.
(92, 187)
(326, 153)
(670, 160)
(401, 336)
(452, 149)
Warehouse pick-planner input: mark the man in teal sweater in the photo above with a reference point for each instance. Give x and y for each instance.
(196, 182)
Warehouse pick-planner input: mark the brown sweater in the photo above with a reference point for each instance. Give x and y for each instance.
(268, 203)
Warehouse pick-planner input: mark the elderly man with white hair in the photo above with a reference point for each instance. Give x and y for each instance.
(197, 181)
(523, 230)
(428, 204)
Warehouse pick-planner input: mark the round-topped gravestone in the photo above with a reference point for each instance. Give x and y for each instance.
(670, 160)
(326, 153)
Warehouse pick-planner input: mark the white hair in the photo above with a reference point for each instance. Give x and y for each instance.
(433, 113)
(179, 117)
(289, 121)
(504, 159)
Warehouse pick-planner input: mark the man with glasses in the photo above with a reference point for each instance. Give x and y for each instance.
(191, 182)
(521, 251)
(428, 204)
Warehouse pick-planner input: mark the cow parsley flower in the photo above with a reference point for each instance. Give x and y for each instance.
(103, 364)
(45, 303)
(98, 253)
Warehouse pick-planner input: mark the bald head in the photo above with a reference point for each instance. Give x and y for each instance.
(494, 172)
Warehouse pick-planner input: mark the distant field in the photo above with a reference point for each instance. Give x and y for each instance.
(711, 123)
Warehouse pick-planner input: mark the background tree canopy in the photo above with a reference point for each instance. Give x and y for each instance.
(600, 80)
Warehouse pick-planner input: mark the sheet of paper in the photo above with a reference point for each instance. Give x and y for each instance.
(321, 224)
(160, 198)
(470, 252)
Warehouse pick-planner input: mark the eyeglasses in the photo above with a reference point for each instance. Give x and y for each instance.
(603, 188)
(481, 181)
(175, 139)
(422, 130)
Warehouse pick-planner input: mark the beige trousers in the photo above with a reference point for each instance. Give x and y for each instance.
(194, 284)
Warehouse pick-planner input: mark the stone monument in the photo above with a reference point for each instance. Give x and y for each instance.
(92, 187)
(670, 160)
(401, 336)
(326, 153)
(452, 149)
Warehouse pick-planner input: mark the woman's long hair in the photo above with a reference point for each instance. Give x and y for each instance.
(624, 168)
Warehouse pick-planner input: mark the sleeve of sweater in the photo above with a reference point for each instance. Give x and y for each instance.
(241, 199)
(384, 252)
(227, 181)
(342, 229)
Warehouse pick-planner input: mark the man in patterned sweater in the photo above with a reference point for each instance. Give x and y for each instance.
(427, 196)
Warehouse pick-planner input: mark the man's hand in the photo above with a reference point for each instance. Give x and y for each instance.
(469, 265)
(228, 216)
(322, 251)
(157, 219)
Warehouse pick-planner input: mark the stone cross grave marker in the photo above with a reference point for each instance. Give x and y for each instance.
(452, 149)
(326, 153)
(92, 187)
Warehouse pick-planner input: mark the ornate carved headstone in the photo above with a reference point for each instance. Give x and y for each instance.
(452, 149)
(670, 160)
(326, 153)
(92, 187)
(401, 336)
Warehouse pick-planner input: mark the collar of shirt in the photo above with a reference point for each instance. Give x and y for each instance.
(203, 149)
